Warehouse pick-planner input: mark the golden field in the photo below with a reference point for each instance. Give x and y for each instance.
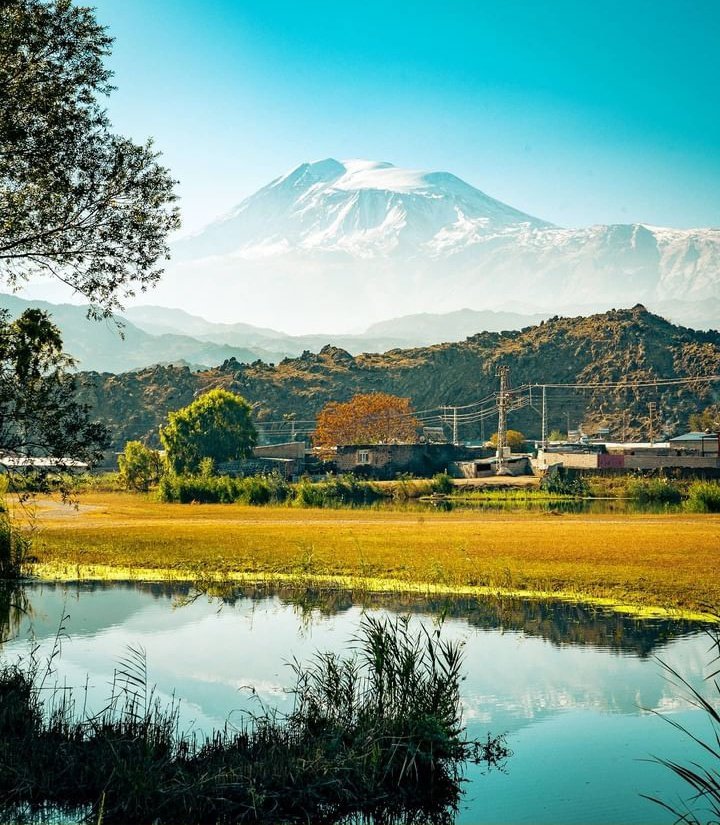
(668, 561)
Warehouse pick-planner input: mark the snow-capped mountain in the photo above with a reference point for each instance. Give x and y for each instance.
(348, 243)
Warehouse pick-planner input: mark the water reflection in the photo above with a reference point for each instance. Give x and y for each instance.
(568, 682)
(558, 622)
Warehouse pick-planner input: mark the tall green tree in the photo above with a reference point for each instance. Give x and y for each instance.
(77, 201)
(217, 425)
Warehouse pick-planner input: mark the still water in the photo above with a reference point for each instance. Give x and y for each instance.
(573, 687)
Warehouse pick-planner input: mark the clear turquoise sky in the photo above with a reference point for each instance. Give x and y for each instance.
(577, 112)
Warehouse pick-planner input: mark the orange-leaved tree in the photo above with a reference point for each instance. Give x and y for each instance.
(370, 418)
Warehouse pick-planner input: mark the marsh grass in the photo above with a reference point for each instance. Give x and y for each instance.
(15, 546)
(646, 559)
(701, 776)
(376, 735)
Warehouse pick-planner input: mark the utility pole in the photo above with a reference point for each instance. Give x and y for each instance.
(543, 434)
(501, 467)
(445, 408)
(651, 411)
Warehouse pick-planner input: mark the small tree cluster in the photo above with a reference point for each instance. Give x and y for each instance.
(140, 467)
(513, 439)
(370, 418)
(217, 425)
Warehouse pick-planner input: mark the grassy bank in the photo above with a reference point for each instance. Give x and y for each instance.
(667, 560)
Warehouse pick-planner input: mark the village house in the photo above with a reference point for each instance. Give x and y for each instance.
(388, 460)
(692, 452)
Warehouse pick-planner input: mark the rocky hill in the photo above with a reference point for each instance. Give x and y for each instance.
(630, 346)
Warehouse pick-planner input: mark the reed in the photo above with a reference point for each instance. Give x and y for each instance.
(14, 546)
(377, 734)
(702, 776)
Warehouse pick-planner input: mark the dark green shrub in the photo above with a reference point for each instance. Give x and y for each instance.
(564, 482)
(14, 547)
(255, 490)
(704, 497)
(442, 483)
(335, 492)
(654, 491)
(201, 489)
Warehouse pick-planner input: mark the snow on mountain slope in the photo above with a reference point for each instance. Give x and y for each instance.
(358, 207)
(361, 240)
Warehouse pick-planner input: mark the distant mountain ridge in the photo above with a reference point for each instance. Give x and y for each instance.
(119, 345)
(333, 241)
(160, 335)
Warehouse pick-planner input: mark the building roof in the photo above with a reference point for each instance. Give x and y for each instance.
(39, 462)
(695, 436)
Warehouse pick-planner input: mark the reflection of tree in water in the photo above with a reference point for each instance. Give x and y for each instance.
(14, 605)
(567, 623)
(561, 623)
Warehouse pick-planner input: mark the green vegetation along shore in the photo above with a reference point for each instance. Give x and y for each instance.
(640, 562)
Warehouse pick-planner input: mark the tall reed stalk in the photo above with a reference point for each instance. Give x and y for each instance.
(702, 776)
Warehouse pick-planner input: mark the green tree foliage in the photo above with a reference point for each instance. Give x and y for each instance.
(76, 201)
(707, 420)
(140, 467)
(39, 414)
(216, 425)
(514, 439)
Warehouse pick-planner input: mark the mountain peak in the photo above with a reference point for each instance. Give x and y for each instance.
(364, 239)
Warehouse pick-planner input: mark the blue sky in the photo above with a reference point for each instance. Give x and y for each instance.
(579, 113)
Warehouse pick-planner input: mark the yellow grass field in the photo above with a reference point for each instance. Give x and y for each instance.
(668, 561)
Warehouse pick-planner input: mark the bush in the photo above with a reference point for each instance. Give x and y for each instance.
(565, 483)
(140, 467)
(654, 491)
(442, 483)
(704, 497)
(204, 490)
(255, 490)
(209, 489)
(336, 492)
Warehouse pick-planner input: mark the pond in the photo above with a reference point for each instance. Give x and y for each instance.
(574, 687)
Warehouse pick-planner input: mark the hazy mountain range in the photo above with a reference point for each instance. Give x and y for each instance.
(149, 335)
(339, 245)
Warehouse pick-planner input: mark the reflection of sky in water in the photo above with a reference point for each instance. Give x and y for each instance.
(574, 714)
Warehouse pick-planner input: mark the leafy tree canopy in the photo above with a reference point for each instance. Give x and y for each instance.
(217, 425)
(77, 201)
(513, 438)
(370, 418)
(39, 415)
